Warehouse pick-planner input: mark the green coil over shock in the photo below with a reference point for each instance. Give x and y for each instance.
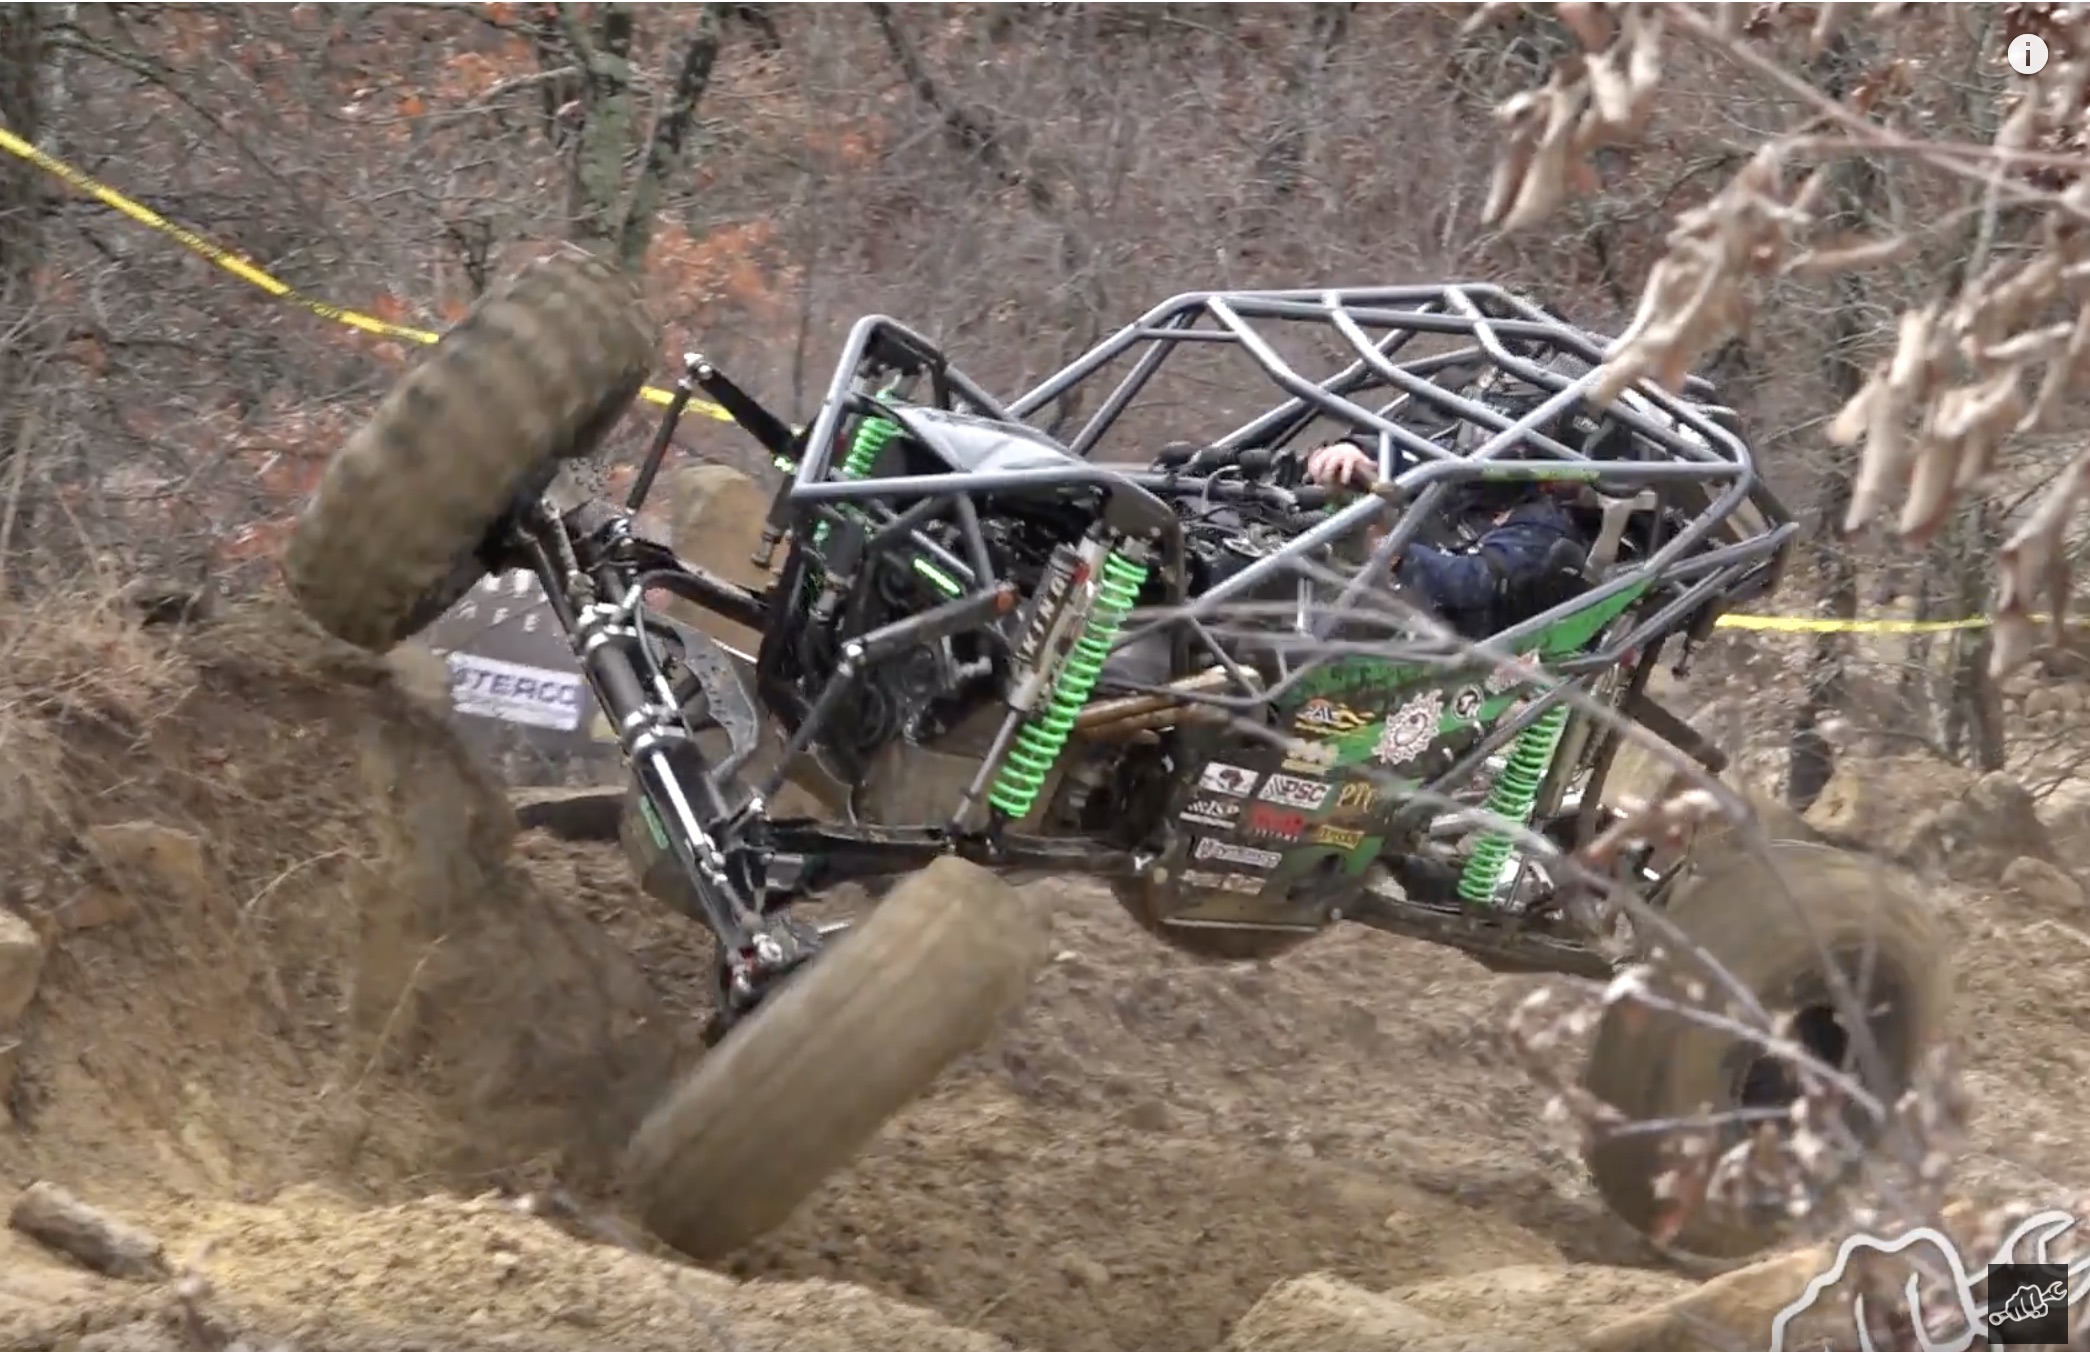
(1038, 744)
(1512, 796)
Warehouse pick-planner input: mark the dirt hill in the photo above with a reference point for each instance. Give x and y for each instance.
(280, 985)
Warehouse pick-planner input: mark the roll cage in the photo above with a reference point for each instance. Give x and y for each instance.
(1712, 533)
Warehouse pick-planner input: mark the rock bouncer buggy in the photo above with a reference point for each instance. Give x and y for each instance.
(1010, 638)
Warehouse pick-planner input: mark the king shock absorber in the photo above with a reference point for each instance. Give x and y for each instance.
(1080, 605)
(1512, 797)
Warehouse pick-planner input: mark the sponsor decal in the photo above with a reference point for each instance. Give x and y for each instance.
(1248, 856)
(1356, 797)
(1351, 672)
(1338, 835)
(1289, 791)
(1466, 703)
(1277, 823)
(1231, 780)
(1409, 730)
(1503, 677)
(533, 696)
(1325, 716)
(1310, 758)
(1222, 882)
(1220, 812)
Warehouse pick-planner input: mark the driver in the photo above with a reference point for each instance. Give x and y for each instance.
(1527, 555)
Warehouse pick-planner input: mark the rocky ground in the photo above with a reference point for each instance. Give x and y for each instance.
(282, 991)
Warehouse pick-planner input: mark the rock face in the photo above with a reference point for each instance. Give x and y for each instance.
(21, 971)
(1938, 818)
(2044, 887)
(1320, 1313)
(21, 967)
(1524, 1309)
(143, 865)
(1975, 837)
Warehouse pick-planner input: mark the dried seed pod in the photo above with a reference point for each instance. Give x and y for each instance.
(2062, 372)
(1523, 120)
(1588, 22)
(1643, 60)
(1826, 25)
(1546, 180)
(1611, 94)
(1850, 257)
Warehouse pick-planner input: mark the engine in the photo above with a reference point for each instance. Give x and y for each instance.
(924, 695)
(952, 694)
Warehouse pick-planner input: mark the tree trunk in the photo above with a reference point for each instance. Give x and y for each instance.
(21, 257)
(607, 216)
(595, 185)
(665, 151)
(1812, 760)
(1283, 160)
(1975, 718)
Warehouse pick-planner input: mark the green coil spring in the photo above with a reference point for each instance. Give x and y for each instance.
(1023, 772)
(1511, 797)
(871, 437)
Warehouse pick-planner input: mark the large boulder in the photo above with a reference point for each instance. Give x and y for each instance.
(2043, 888)
(1739, 1305)
(1974, 837)
(1322, 1313)
(1935, 817)
(1877, 800)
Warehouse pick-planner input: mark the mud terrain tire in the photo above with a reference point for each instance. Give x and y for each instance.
(794, 1092)
(1653, 1065)
(538, 372)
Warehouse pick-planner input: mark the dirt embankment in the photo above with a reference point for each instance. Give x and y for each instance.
(296, 1001)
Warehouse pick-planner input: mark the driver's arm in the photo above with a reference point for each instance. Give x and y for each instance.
(1342, 464)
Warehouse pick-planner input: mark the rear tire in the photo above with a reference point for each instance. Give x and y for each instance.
(538, 372)
(796, 1090)
(1653, 1065)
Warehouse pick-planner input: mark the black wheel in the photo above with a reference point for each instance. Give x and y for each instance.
(538, 372)
(1768, 917)
(805, 1081)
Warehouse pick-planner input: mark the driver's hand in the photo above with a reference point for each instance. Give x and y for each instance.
(1341, 464)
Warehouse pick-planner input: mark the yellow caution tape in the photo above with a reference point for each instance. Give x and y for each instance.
(256, 277)
(1795, 625)
(248, 272)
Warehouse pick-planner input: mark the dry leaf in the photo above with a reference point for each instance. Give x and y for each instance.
(1611, 96)
(1852, 419)
(1546, 180)
(1826, 24)
(2026, 560)
(1887, 454)
(1644, 63)
(1523, 118)
(2061, 373)
(1587, 22)
(1828, 261)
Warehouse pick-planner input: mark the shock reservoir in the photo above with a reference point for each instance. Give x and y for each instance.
(1054, 621)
